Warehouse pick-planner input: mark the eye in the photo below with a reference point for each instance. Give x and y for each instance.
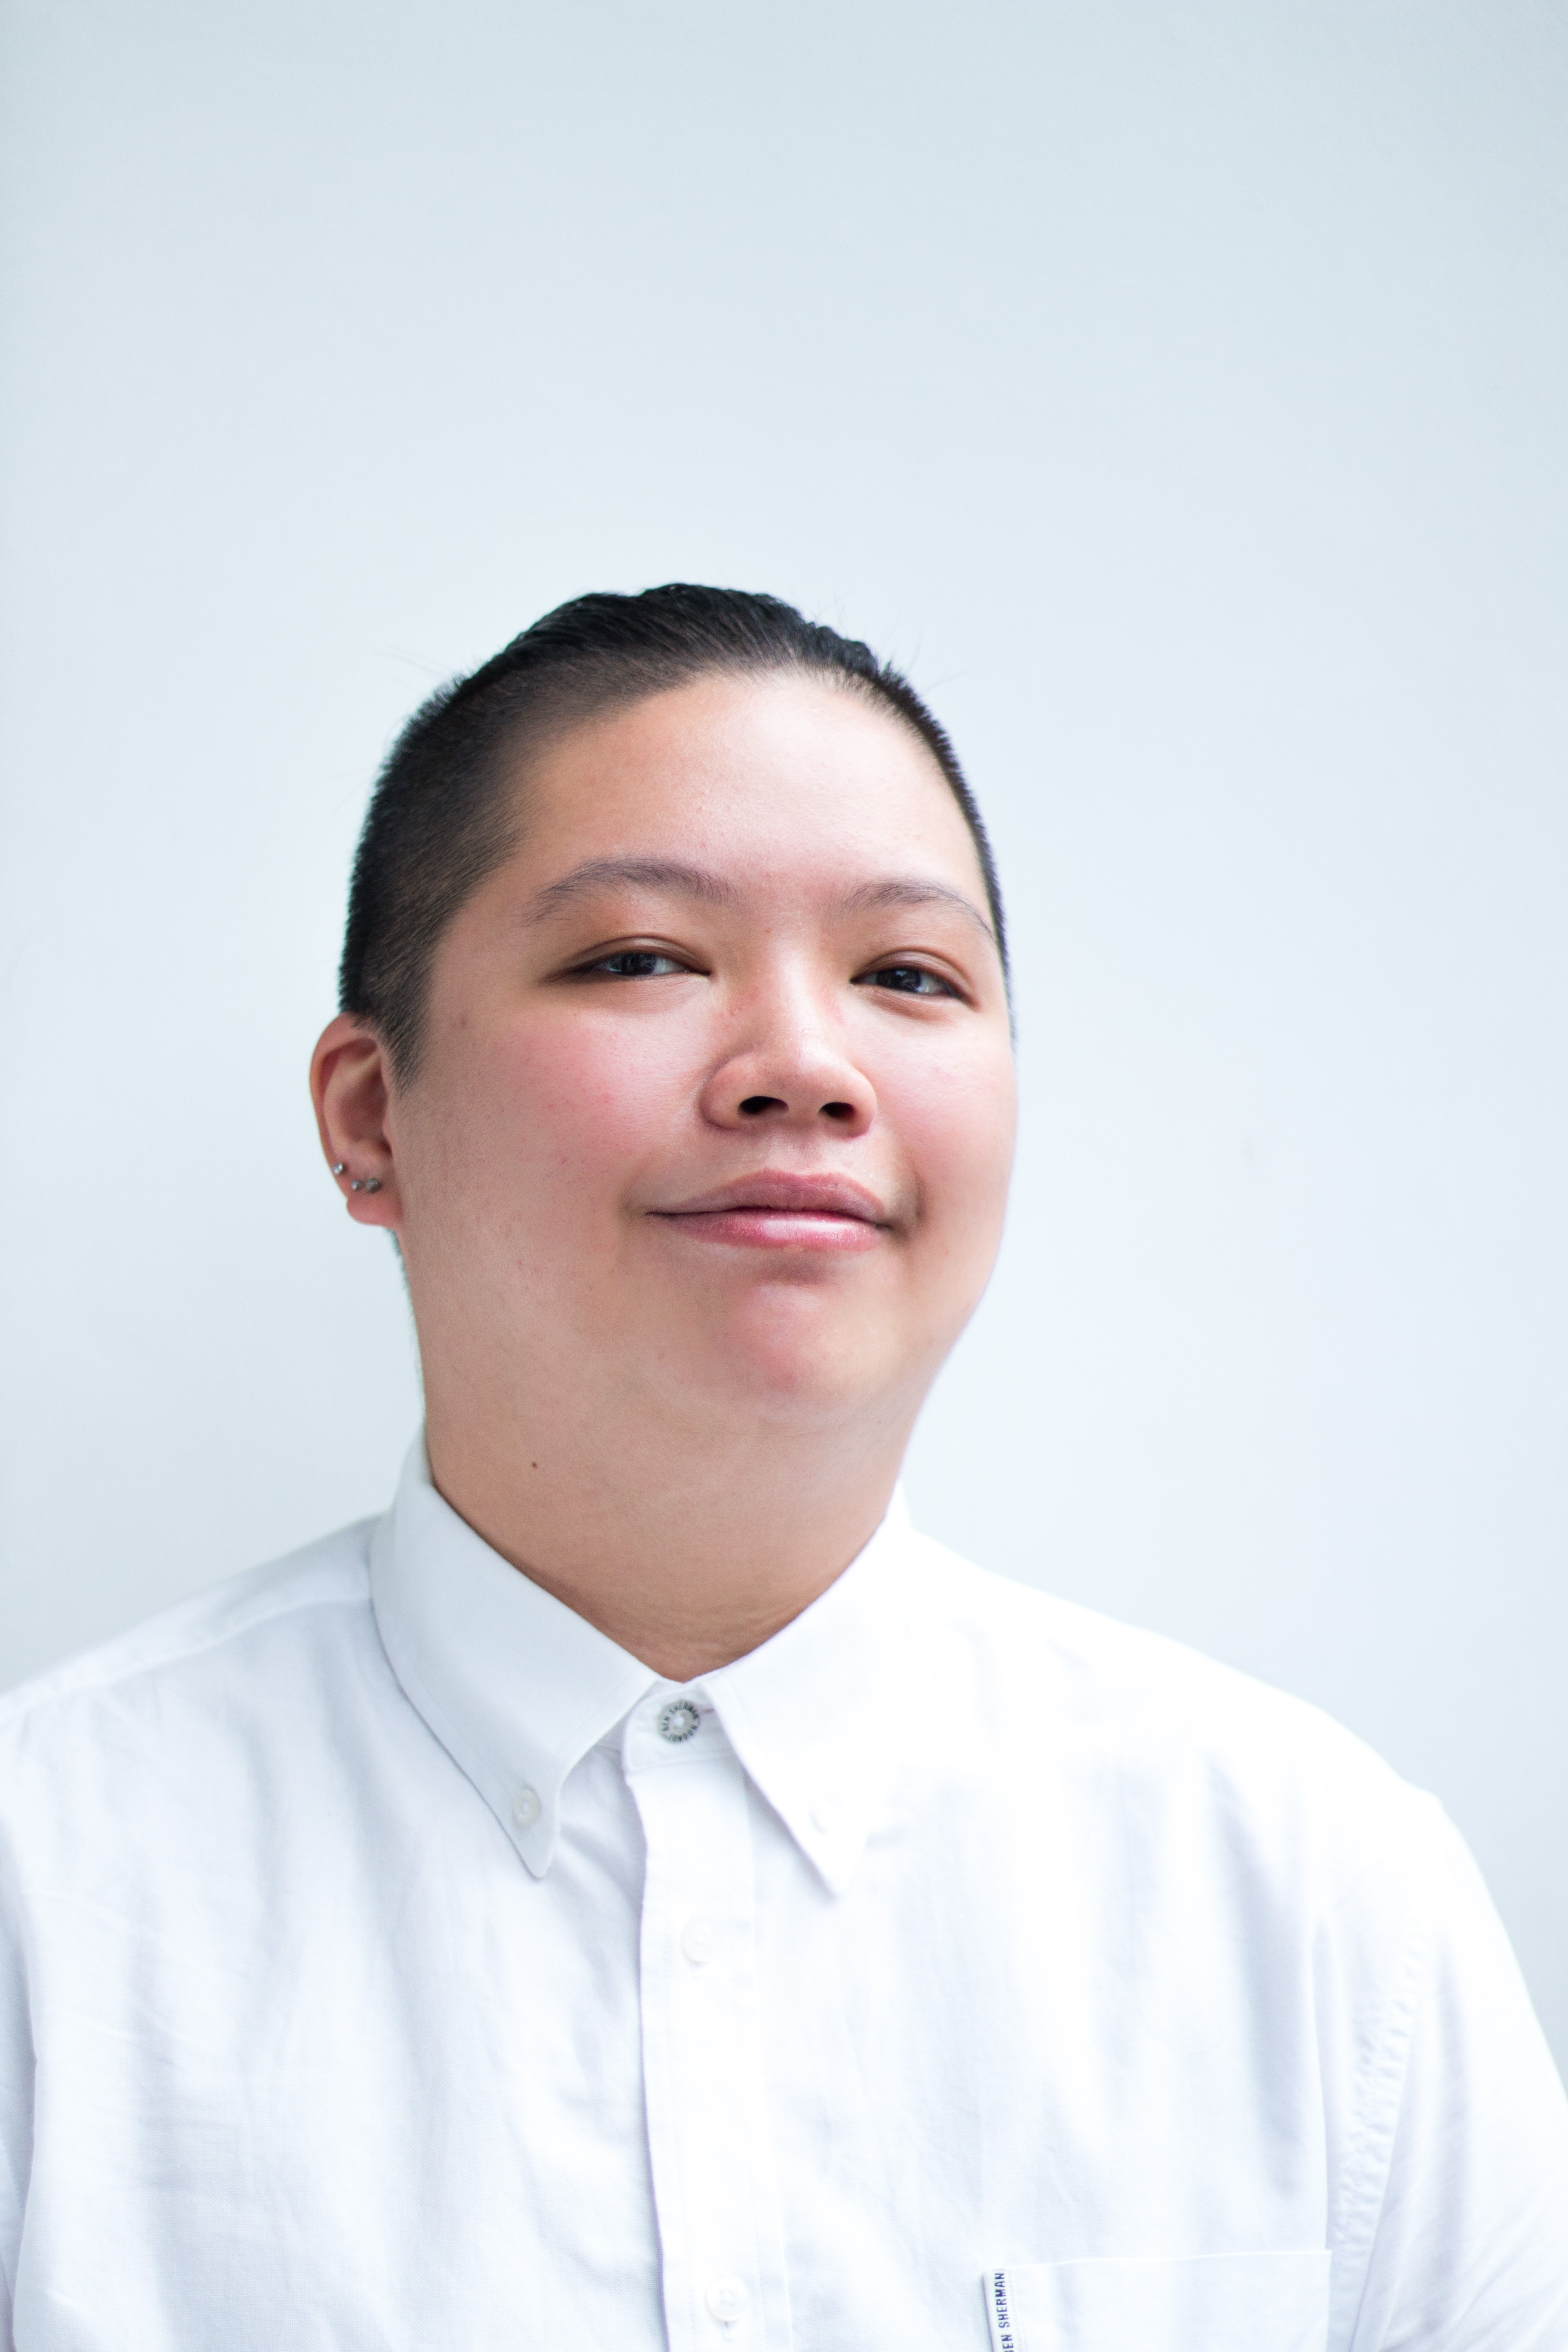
(907, 979)
(633, 963)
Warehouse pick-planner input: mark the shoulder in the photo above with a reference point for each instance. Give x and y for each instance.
(1091, 1667)
(199, 1652)
(1176, 1735)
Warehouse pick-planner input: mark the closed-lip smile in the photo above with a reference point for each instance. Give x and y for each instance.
(779, 1210)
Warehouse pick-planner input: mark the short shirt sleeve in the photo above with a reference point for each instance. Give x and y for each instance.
(15, 2104)
(1467, 2206)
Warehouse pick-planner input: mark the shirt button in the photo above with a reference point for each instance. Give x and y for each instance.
(826, 1812)
(526, 1807)
(678, 1720)
(699, 1941)
(727, 2298)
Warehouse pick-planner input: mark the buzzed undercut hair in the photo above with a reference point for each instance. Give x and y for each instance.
(446, 811)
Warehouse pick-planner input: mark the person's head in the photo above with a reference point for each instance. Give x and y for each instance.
(677, 910)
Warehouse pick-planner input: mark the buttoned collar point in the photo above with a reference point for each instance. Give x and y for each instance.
(812, 1714)
(517, 1688)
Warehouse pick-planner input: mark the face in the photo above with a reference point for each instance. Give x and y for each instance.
(715, 1114)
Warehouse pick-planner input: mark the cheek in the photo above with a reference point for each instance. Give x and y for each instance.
(957, 1118)
(570, 1109)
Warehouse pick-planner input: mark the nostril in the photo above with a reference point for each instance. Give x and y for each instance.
(754, 1105)
(837, 1110)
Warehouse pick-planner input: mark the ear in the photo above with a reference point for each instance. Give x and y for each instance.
(350, 1086)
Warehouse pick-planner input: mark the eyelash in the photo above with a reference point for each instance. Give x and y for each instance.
(880, 976)
(633, 955)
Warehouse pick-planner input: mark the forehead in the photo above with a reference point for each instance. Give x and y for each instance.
(770, 777)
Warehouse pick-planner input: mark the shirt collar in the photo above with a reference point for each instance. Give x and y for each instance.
(517, 1688)
(811, 1714)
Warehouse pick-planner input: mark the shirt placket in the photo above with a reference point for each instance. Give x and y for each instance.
(709, 2128)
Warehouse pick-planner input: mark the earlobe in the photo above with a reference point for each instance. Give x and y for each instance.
(350, 1089)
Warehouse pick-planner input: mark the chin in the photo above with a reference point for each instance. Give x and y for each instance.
(809, 1370)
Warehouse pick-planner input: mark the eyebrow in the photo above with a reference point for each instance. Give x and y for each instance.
(640, 873)
(697, 882)
(908, 891)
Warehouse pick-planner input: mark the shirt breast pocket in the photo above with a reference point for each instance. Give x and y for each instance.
(1211, 2303)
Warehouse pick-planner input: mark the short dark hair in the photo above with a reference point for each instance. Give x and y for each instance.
(441, 818)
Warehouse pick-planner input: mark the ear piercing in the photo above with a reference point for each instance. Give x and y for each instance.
(360, 1183)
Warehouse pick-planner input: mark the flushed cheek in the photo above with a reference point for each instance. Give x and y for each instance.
(581, 1106)
(956, 1129)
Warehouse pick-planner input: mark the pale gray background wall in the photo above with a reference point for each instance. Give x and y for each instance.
(1179, 391)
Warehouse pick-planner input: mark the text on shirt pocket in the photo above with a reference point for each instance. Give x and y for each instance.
(1208, 2303)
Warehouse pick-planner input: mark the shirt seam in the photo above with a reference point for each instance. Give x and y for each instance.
(10, 2272)
(15, 1717)
(19, 1927)
(1369, 2160)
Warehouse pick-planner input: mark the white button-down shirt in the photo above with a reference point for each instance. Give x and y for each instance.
(388, 1961)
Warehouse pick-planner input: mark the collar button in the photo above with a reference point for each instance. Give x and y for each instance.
(678, 1720)
(526, 1807)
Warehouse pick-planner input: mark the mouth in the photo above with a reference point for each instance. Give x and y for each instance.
(776, 1210)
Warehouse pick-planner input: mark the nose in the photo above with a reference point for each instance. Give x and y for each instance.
(795, 1074)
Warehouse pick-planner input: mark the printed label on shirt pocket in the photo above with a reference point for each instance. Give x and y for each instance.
(1211, 2303)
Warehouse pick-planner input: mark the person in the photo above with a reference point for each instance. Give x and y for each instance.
(638, 1892)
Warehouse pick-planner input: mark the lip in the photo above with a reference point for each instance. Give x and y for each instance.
(777, 1209)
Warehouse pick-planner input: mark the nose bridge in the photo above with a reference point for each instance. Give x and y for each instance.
(802, 1009)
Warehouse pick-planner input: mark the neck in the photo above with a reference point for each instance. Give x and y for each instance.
(687, 1545)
